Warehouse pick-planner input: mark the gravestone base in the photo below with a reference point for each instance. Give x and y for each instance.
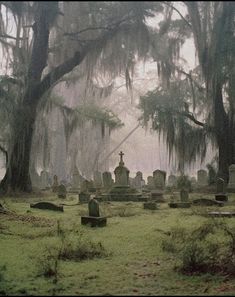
(157, 196)
(150, 205)
(221, 197)
(124, 193)
(207, 202)
(94, 221)
(179, 204)
(143, 199)
(84, 197)
(227, 214)
(47, 206)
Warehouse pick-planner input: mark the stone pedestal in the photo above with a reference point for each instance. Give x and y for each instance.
(221, 197)
(94, 221)
(157, 196)
(150, 205)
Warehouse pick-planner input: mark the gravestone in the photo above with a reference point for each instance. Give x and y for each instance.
(94, 219)
(219, 214)
(121, 191)
(55, 184)
(202, 179)
(138, 180)
(231, 183)
(220, 190)
(150, 183)
(107, 180)
(159, 178)
(172, 180)
(44, 179)
(62, 192)
(77, 179)
(47, 206)
(97, 179)
(184, 195)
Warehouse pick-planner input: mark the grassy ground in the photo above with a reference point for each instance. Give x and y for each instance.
(135, 264)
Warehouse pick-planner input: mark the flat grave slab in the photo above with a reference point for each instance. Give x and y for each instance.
(47, 206)
(227, 214)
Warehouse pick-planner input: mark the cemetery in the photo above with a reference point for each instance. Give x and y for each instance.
(117, 161)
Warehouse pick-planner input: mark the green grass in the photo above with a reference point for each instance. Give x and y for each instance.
(135, 264)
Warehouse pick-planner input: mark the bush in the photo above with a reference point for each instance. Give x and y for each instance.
(207, 249)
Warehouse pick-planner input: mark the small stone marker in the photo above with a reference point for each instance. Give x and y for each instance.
(55, 184)
(220, 189)
(47, 206)
(62, 192)
(94, 219)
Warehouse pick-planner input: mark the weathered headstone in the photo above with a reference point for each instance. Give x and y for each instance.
(107, 180)
(202, 179)
(55, 184)
(220, 190)
(159, 178)
(94, 219)
(97, 179)
(62, 192)
(184, 197)
(150, 183)
(172, 180)
(44, 179)
(138, 180)
(231, 183)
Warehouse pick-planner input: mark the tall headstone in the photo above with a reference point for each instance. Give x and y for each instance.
(172, 180)
(107, 179)
(44, 179)
(150, 182)
(220, 190)
(202, 179)
(93, 207)
(76, 178)
(159, 177)
(97, 179)
(231, 183)
(61, 192)
(121, 173)
(138, 180)
(55, 184)
(184, 197)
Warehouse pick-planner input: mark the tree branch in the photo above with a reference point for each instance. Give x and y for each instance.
(183, 18)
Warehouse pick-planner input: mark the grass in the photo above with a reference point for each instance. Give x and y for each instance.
(135, 265)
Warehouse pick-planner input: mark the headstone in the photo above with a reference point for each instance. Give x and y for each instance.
(220, 190)
(172, 180)
(231, 183)
(47, 206)
(138, 180)
(107, 180)
(97, 179)
(202, 179)
(121, 173)
(94, 219)
(121, 191)
(159, 178)
(55, 184)
(44, 179)
(184, 195)
(150, 183)
(77, 179)
(84, 197)
(62, 192)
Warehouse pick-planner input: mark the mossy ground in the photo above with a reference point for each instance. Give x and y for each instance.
(136, 264)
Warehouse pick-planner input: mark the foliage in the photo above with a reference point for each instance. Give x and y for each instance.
(209, 248)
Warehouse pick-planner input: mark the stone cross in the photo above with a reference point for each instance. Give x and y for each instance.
(121, 154)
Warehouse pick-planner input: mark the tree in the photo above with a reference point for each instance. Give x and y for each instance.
(211, 25)
(108, 27)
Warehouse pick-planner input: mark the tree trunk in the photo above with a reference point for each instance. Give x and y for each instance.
(17, 176)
